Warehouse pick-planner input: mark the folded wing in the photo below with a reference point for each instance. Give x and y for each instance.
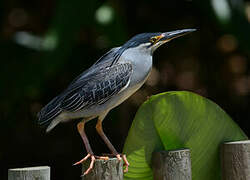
(97, 88)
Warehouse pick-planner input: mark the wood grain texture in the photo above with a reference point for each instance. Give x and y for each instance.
(111, 169)
(29, 173)
(235, 160)
(172, 165)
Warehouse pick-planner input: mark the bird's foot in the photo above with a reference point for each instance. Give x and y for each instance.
(89, 155)
(125, 161)
(93, 158)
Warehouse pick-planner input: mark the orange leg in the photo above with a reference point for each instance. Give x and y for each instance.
(110, 146)
(80, 128)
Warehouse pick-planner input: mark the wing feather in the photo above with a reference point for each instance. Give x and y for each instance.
(97, 88)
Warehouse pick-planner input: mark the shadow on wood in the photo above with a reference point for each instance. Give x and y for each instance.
(104, 170)
(172, 165)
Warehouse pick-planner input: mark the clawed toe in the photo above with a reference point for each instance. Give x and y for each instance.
(102, 157)
(82, 160)
(125, 161)
(91, 163)
(126, 164)
(118, 156)
(90, 166)
(93, 158)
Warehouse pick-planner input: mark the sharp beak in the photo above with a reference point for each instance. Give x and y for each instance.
(167, 36)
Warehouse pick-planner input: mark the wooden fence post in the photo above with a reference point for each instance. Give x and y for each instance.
(104, 170)
(235, 160)
(29, 173)
(172, 165)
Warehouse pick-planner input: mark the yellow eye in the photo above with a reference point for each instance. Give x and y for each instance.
(153, 40)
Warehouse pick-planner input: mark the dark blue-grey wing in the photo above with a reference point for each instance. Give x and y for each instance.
(97, 88)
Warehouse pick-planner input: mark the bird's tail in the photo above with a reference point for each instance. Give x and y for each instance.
(49, 112)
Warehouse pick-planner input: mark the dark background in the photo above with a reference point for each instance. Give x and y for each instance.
(44, 44)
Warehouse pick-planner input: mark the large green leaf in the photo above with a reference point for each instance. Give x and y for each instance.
(175, 120)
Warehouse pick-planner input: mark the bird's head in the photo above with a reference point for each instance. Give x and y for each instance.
(151, 41)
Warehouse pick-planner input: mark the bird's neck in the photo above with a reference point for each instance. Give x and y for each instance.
(142, 64)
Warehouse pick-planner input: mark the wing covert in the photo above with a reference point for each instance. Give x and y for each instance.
(97, 88)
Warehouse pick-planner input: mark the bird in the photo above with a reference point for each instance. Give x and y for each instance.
(112, 79)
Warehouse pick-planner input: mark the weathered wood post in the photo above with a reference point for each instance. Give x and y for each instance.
(172, 165)
(29, 173)
(235, 160)
(104, 170)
